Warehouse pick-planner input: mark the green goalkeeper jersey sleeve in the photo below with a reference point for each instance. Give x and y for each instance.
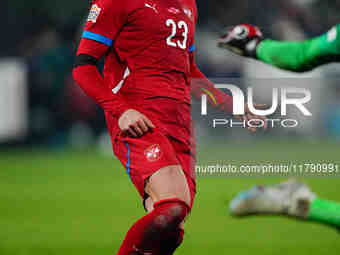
(304, 55)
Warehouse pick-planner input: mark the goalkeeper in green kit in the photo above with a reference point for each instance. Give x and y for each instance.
(296, 56)
(292, 197)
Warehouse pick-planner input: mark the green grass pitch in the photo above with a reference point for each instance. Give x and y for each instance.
(69, 202)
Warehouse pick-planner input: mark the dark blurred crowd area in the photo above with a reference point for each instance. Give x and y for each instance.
(45, 33)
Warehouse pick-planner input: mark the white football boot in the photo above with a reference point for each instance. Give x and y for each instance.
(291, 197)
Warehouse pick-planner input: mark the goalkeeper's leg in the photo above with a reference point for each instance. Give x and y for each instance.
(292, 198)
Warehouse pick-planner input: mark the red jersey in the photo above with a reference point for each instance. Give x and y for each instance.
(149, 62)
(150, 43)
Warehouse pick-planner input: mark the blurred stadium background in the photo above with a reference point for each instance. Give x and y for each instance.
(63, 192)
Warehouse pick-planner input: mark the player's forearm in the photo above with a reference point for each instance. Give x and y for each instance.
(87, 76)
(201, 85)
(301, 56)
(293, 56)
(92, 83)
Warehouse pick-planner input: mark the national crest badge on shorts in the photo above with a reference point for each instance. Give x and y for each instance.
(153, 153)
(94, 13)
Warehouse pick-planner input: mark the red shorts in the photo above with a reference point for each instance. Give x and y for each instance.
(144, 156)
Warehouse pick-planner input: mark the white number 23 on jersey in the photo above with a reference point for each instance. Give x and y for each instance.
(181, 25)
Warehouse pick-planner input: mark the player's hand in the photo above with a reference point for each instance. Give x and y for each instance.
(255, 119)
(242, 39)
(134, 124)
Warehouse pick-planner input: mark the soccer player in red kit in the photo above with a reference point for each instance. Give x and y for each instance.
(145, 92)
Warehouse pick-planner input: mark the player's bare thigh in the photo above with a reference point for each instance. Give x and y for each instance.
(168, 182)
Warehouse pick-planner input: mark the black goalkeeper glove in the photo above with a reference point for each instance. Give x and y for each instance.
(242, 39)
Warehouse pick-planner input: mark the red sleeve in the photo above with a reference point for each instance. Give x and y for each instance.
(92, 83)
(201, 85)
(104, 21)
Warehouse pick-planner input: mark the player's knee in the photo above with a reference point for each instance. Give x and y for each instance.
(178, 212)
(172, 213)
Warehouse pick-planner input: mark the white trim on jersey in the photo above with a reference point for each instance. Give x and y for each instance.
(120, 84)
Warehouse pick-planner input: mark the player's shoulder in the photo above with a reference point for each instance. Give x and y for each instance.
(123, 6)
(189, 3)
(131, 3)
(193, 3)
